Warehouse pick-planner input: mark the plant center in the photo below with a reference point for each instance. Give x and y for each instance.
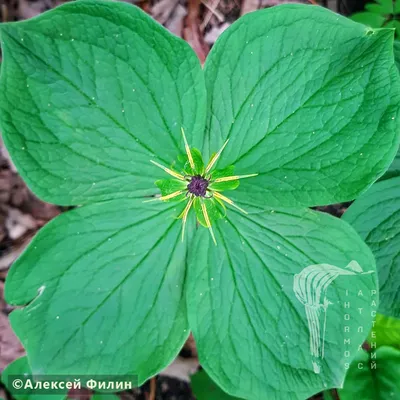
(198, 186)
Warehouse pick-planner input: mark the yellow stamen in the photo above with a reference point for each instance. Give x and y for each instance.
(185, 214)
(187, 148)
(229, 201)
(169, 171)
(169, 196)
(215, 158)
(233, 178)
(205, 213)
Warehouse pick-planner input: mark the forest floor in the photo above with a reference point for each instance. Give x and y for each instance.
(199, 22)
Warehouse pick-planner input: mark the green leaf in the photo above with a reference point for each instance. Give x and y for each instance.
(394, 24)
(91, 91)
(396, 8)
(369, 18)
(308, 99)
(385, 331)
(103, 291)
(205, 389)
(376, 217)
(104, 396)
(364, 382)
(383, 7)
(20, 367)
(251, 328)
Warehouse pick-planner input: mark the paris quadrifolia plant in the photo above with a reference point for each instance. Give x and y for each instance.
(200, 186)
(192, 189)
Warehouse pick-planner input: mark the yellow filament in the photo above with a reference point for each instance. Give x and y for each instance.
(169, 171)
(169, 196)
(187, 148)
(229, 201)
(205, 213)
(184, 216)
(233, 178)
(215, 158)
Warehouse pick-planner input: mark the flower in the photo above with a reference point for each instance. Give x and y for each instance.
(199, 186)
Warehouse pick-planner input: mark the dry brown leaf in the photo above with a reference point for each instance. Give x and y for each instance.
(10, 347)
(249, 6)
(175, 22)
(8, 257)
(163, 10)
(191, 32)
(18, 223)
(181, 368)
(212, 35)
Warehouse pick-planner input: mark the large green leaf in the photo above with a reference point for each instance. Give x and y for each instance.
(376, 217)
(369, 18)
(205, 389)
(104, 396)
(16, 370)
(394, 169)
(309, 99)
(385, 331)
(103, 289)
(251, 328)
(366, 382)
(90, 92)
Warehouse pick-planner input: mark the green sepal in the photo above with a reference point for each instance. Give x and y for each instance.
(169, 186)
(214, 209)
(182, 164)
(198, 162)
(222, 173)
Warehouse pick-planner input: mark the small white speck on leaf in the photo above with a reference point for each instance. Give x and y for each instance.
(58, 317)
(61, 34)
(278, 247)
(361, 154)
(72, 40)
